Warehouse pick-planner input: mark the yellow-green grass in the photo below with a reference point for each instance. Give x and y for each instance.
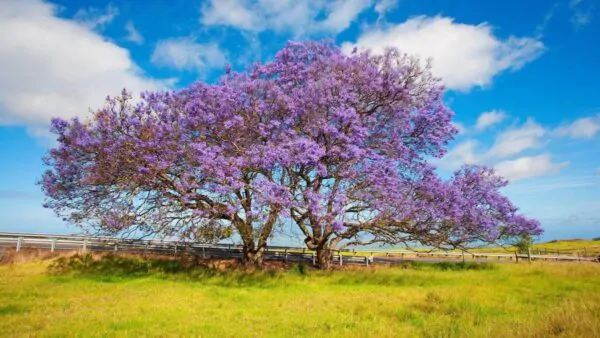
(576, 247)
(133, 297)
(580, 247)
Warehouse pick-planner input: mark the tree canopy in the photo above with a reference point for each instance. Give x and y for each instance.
(340, 145)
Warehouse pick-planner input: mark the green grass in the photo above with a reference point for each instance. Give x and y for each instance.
(120, 296)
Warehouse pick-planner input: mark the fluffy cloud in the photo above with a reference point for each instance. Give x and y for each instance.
(186, 54)
(133, 34)
(463, 55)
(529, 166)
(515, 140)
(384, 6)
(55, 67)
(463, 153)
(583, 128)
(460, 127)
(488, 119)
(299, 17)
(94, 18)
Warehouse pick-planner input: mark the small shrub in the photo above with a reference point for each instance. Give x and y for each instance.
(300, 269)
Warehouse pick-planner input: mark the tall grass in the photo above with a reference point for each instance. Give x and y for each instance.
(117, 295)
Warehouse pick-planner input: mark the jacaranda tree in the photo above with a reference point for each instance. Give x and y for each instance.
(337, 144)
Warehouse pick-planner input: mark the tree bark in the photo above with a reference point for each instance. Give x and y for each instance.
(324, 257)
(253, 257)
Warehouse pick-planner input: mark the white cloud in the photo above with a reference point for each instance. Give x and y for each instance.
(515, 140)
(300, 17)
(94, 18)
(341, 13)
(583, 128)
(463, 153)
(186, 54)
(509, 142)
(529, 166)
(384, 6)
(133, 34)
(463, 55)
(460, 127)
(488, 119)
(51, 66)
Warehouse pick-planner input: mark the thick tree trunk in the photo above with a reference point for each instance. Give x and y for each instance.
(324, 258)
(253, 257)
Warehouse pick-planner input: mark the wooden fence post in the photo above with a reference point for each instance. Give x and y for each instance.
(529, 255)
(516, 256)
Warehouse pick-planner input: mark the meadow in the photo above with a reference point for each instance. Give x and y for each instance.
(131, 296)
(581, 247)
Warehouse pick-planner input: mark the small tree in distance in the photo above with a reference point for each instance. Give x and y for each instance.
(336, 143)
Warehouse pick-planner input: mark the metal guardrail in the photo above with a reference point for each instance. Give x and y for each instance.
(282, 253)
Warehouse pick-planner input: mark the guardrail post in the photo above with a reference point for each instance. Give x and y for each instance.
(84, 245)
(340, 254)
(314, 259)
(285, 257)
(116, 247)
(19, 242)
(366, 261)
(203, 253)
(463, 256)
(53, 245)
(517, 257)
(529, 255)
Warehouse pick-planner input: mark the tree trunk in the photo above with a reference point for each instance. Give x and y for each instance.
(324, 257)
(253, 257)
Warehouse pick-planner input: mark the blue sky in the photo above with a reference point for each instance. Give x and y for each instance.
(522, 77)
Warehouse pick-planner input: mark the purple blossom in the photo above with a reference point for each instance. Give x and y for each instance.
(338, 143)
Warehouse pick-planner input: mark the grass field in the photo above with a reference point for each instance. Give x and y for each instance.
(127, 296)
(582, 247)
